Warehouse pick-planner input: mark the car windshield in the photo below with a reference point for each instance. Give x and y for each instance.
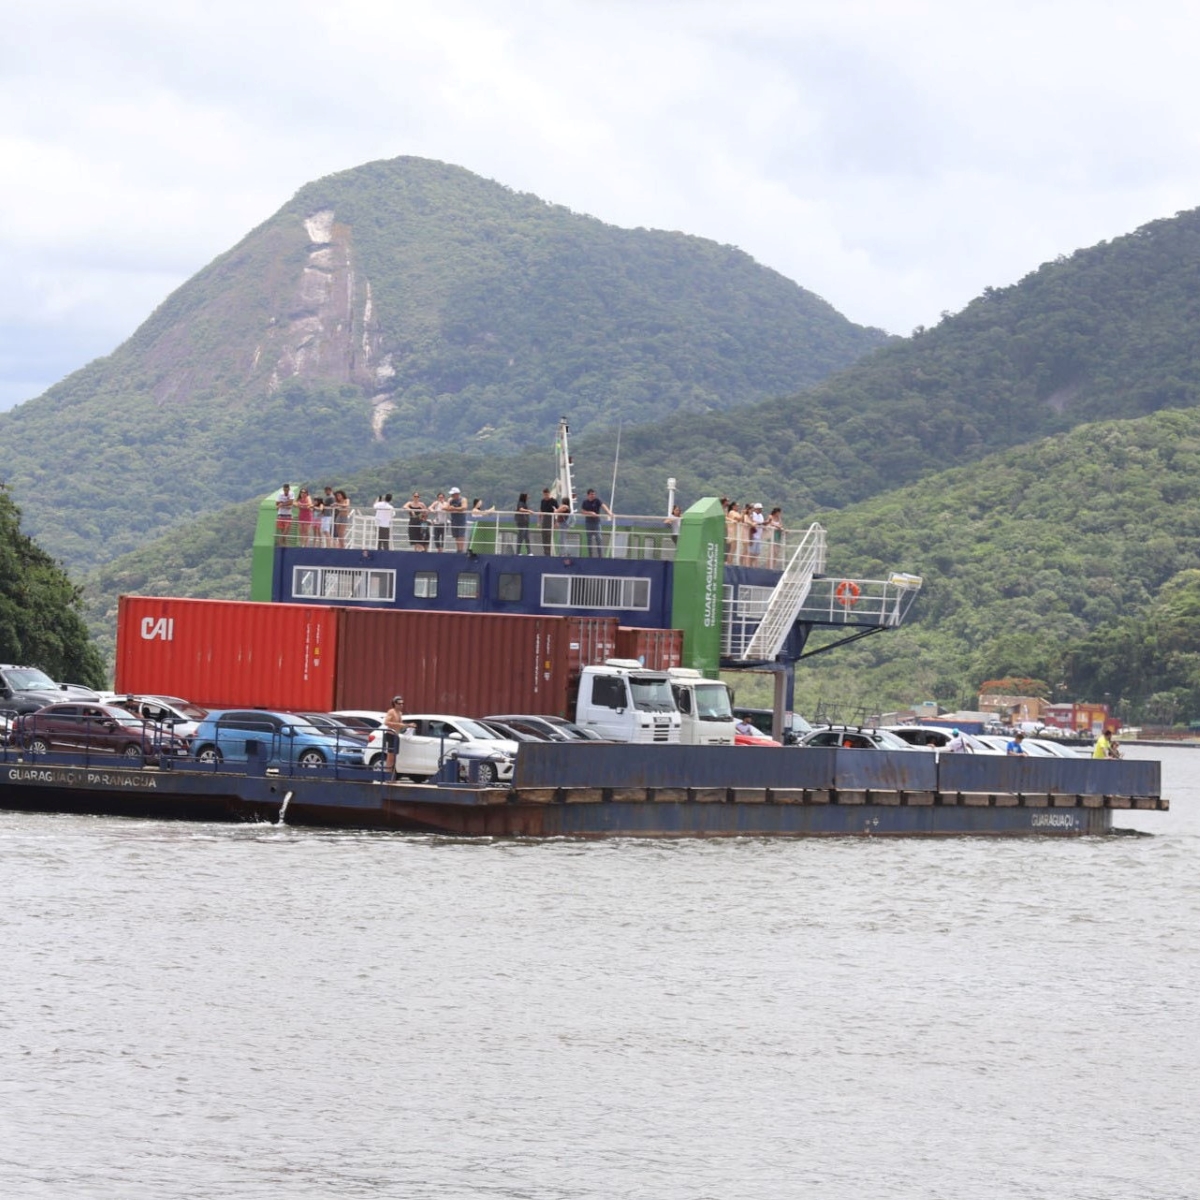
(652, 693)
(23, 678)
(188, 710)
(712, 702)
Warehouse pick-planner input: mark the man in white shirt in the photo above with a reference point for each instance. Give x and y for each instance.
(383, 521)
(958, 743)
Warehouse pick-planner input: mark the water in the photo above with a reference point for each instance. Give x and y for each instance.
(260, 1011)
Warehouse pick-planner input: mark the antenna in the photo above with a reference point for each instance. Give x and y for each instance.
(612, 495)
(564, 488)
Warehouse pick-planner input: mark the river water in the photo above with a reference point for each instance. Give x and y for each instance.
(254, 1011)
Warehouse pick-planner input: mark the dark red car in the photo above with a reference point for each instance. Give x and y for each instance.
(95, 729)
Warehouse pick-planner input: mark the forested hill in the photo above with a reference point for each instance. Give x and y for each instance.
(1113, 331)
(397, 308)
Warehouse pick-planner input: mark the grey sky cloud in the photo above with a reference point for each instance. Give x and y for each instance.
(894, 157)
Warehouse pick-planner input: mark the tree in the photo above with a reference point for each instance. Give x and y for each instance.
(41, 623)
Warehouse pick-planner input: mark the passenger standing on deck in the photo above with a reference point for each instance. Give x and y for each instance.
(549, 507)
(393, 727)
(593, 506)
(1104, 747)
(773, 533)
(521, 520)
(755, 520)
(438, 520)
(284, 501)
(418, 531)
(1015, 746)
(456, 506)
(383, 521)
(328, 511)
(341, 517)
(733, 535)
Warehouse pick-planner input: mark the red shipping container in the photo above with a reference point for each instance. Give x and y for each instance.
(591, 640)
(465, 664)
(658, 649)
(228, 653)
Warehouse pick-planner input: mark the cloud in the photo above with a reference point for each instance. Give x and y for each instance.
(894, 158)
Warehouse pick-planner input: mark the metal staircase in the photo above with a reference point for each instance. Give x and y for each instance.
(788, 597)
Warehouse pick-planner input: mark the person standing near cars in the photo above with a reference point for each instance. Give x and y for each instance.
(393, 726)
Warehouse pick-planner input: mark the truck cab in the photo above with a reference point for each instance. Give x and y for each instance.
(624, 702)
(705, 710)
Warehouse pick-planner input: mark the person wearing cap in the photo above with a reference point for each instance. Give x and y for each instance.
(456, 506)
(592, 507)
(958, 744)
(393, 727)
(756, 520)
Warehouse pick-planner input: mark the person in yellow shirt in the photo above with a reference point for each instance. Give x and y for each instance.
(1103, 746)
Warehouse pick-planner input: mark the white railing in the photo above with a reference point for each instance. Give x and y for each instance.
(789, 596)
(630, 537)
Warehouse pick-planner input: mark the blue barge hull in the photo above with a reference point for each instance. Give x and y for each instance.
(626, 791)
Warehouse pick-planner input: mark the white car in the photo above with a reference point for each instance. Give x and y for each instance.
(366, 716)
(1032, 747)
(936, 737)
(431, 737)
(181, 715)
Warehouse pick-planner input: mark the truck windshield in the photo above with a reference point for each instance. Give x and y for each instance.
(652, 694)
(30, 679)
(712, 702)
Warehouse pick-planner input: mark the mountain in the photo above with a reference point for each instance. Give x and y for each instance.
(399, 308)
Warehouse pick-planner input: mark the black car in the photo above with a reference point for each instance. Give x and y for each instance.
(26, 689)
(95, 729)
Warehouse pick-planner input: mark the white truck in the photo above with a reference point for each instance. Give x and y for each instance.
(624, 702)
(705, 708)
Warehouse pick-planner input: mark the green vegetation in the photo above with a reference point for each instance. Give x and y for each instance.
(40, 620)
(473, 315)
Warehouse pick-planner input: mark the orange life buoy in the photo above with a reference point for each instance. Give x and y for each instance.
(847, 593)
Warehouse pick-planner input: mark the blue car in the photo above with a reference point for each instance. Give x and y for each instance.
(284, 739)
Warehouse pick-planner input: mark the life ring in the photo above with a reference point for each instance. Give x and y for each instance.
(847, 593)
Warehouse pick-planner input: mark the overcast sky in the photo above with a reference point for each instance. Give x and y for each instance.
(894, 156)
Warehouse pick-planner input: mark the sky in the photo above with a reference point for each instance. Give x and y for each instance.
(894, 157)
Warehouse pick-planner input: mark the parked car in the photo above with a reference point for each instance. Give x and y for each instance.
(552, 729)
(338, 727)
(26, 689)
(95, 729)
(934, 737)
(763, 719)
(370, 718)
(432, 737)
(505, 729)
(854, 737)
(1031, 745)
(1057, 749)
(284, 739)
(181, 715)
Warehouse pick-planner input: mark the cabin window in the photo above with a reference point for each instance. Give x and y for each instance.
(608, 691)
(508, 586)
(468, 585)
(425, 585)
(595, 591)
(343, 583)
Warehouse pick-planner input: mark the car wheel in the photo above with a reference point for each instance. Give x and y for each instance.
(312, 758)
(39, 746)
(208, 754)
(374, 760)
(132, 751)
(488, 774)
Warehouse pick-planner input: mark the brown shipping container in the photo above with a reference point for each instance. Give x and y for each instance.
(658, 649)
(591, 640)
(467, 664)
(228, 653)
